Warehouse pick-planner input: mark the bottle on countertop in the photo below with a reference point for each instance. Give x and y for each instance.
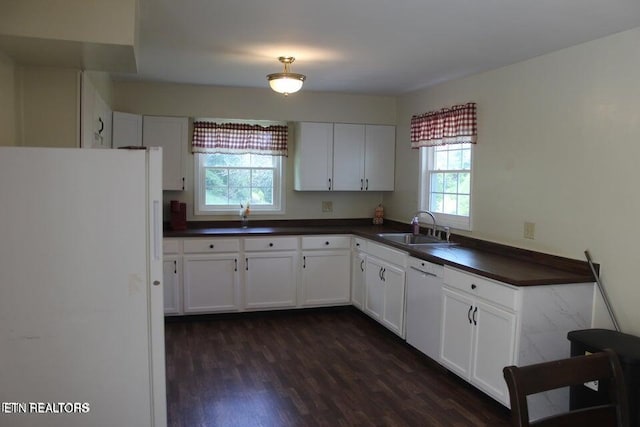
(415, 226)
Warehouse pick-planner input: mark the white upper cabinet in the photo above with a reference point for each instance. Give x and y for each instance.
(127, 129)
(344, 157)
(95, 121)
(313, 157)
(379, 160)
(170, 133)
(348, 157)
(363, 157)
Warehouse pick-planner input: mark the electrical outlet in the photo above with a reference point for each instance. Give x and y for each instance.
(530, 230)
(327, 206)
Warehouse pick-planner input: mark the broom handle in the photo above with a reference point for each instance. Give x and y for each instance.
(603, 292)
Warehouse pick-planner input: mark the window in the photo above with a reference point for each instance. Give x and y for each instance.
(239, 163)
(444, 139)
(446, 184)
(228, 180)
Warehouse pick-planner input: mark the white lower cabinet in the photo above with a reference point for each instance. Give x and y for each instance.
(385, 286)
(455, 348)
(270, 272)
(172, 276)
(172, 271)
(487, 325)
(478, 341)
(358, 261)
(494, 345)
(211, 277)
(479, 324)
(326, 270)
(394, 288)
(374, 288)
(211, 283)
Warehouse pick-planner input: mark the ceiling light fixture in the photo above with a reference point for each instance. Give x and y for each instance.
(286, 82)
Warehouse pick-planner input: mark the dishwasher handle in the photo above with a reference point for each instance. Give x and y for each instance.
(428, 273)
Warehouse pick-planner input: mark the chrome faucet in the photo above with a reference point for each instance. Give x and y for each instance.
(433, 218)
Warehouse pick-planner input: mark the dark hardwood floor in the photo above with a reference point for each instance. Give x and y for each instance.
(310, 368)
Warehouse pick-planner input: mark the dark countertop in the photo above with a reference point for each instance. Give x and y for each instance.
(507, 264)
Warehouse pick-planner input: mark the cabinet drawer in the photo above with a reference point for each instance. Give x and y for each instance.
(171, 246)
(360, 244)
(211, 245)
(496, 292)
(270, 243)
(326, 242)
(388, 254)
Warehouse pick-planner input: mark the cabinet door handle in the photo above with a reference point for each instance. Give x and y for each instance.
(362, 266)
(366, 187)
(183, 182)
(469, 315)
(304, 262)
(380, 273)
(270, 245)
(329, 183)
(235, 264)
(384, 270)
(246, 264)
(175, 267)
(473, 286)
(475, 312)
(326, 243)
(361, 184)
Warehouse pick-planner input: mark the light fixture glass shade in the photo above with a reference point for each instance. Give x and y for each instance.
(286, 82)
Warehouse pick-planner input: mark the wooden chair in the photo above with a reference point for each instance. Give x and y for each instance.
(602, 366)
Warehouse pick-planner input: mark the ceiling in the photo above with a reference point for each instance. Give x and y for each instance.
(380, 47)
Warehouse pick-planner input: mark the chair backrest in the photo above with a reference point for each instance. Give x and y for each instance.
(602, 366)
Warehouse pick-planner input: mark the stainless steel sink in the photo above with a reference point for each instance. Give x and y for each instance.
(412, 240)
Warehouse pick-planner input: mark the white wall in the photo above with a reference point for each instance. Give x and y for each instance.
(558, 145)
(263, 104)
(48, 106)
(97, 21)
(7, 101)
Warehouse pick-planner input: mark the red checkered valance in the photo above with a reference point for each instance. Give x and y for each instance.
(455, 125)
(239, 138)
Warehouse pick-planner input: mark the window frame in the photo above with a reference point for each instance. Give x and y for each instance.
(427, 155)
(278, 206)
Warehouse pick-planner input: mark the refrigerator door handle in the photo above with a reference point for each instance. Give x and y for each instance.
(157, 230)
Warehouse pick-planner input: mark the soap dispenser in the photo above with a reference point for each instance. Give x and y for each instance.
(415, 226)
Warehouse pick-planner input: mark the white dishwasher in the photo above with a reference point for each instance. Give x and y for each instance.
(424, 302)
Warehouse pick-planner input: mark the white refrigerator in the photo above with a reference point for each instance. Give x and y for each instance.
(81, 313)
